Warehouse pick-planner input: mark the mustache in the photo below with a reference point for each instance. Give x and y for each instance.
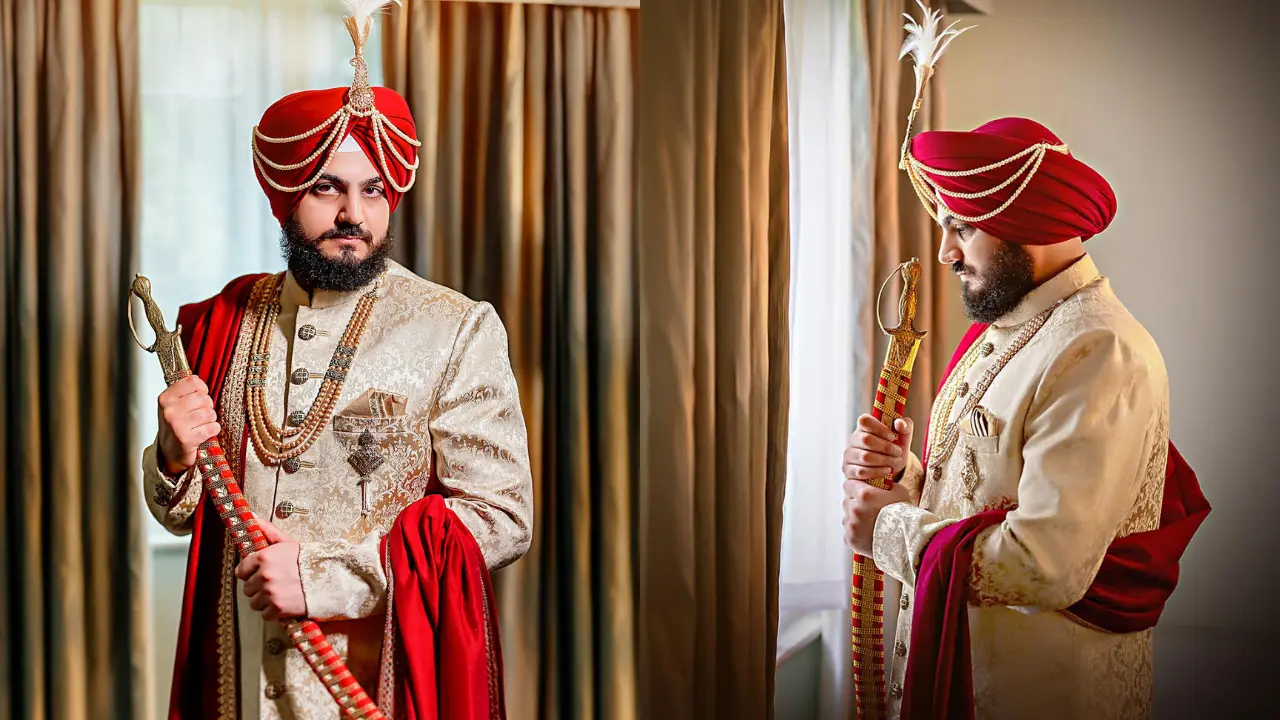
(346, 230)
(958, 267)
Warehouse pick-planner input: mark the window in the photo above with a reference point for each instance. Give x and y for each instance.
(209, 70)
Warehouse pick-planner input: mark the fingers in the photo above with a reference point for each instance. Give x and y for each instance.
(905, 429)
(197, 435)
(254, 585)
(869, 424)
(866, 473)
(274, 534)
(865, 441)
(248, 566)
(187, 386)
(859, 492)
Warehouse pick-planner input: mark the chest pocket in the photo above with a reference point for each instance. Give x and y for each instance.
(381, 438)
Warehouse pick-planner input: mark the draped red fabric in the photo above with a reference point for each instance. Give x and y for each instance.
(448, 660)
(445, 617)
(301, 112)
(1065, 198)
(1138, 574)
(209, 331)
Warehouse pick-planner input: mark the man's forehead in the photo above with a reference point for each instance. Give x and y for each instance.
(353, 166)
(945, 218)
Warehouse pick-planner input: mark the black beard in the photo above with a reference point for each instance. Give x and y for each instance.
(344, 273)
(1005, 282)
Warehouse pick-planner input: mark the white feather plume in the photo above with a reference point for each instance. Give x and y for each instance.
(363, 9)
(926, 44)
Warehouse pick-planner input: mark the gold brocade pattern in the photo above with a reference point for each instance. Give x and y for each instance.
(1073, 441)
(226, 632)
(432, 390)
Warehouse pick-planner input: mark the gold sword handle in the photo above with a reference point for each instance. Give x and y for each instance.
(168, 344)
(868, 581)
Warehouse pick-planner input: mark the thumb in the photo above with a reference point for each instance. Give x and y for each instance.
(274, 534)
(904, 428)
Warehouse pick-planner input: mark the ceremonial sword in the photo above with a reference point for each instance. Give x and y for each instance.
(219, 483)
(868, 580)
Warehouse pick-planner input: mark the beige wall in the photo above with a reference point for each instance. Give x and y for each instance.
(1172, 102)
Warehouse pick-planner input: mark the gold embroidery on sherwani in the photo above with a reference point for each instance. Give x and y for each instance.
(969, 474)
(1028, 659)
(231, 415)
(432, 387)
(226, 632)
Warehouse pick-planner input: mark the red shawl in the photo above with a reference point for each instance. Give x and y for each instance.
(1138, 574)
(447, 656)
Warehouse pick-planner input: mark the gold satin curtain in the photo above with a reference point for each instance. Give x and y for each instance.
(72, 549)
(714, 293)
(525, 198)
(903, 228)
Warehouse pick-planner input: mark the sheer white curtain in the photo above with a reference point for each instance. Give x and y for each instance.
(831, 203)
(209, 70)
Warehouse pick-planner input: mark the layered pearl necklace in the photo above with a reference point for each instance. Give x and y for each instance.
(274, 445)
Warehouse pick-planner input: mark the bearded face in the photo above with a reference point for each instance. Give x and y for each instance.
(344, 271)
(340, 235)
(995, 275)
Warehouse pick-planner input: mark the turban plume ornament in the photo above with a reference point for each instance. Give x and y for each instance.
(299, 135)
(1011, 178)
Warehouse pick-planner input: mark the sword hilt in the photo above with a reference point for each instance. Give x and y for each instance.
(168, 344)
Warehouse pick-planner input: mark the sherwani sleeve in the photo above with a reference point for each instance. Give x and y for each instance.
(902, 529)
(1086, 440)
(177, 518)
(480, 440)
(342, 580)
(1088, 434)
(478, 434)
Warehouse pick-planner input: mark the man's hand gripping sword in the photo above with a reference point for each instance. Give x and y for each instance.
(868, 580)
(223, 491)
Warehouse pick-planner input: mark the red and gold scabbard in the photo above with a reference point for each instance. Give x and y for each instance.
(223, 491)
(868, 580)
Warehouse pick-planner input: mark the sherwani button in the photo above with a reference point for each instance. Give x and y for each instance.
(274, 691)
(275, 646)
(936, 472)
(986, 349)
(300, 376)
(900, 649)
(963, 389)
(307, 332)
(285, 509)
(895, 691)
(905, 602)
(297, 417)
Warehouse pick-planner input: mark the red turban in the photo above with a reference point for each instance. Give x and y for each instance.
(386, 134)
(1063, 199)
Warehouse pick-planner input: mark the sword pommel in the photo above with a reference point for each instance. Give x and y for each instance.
(168, 344)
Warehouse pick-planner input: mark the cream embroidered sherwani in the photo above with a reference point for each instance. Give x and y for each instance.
(431, 385)
(1073, 435)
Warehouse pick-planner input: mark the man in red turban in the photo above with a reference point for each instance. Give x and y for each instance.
(1038, 537)
(373, 422)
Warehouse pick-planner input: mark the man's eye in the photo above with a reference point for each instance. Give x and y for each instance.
(325, 188)
(375, 191)
(964, 229)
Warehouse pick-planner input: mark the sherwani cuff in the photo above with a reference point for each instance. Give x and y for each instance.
(902, 531)
(342, 580)
(913, 477)
(158, 488)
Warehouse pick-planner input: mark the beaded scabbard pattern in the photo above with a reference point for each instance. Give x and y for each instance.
(868, 580)
(223, 491)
